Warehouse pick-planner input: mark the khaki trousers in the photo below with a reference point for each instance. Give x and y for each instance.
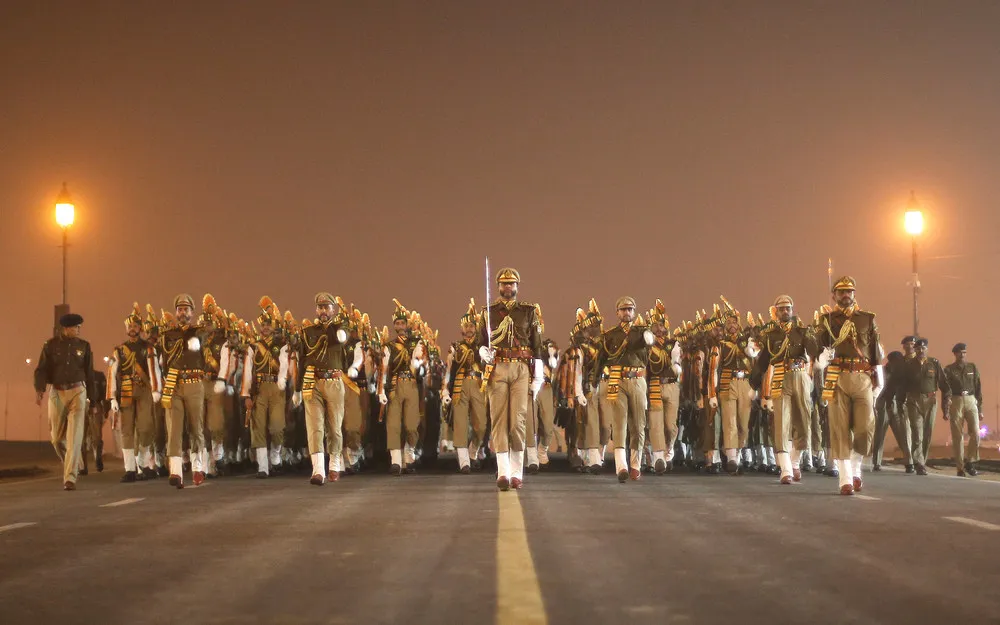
(325, 417)
(964, 410)
(215, 417)
(160, 428)
(67, 414)
(470, 407)
(509, 389)
(353, 420)
(921, 409)
(793, 412)
(597, 421)
(628, 412)
(735, 405)
(403, 414)
(852, 416)
(268, 416)
(709, 428)
(663, 420)
(187, 409)
(541, 418)
(137, 419)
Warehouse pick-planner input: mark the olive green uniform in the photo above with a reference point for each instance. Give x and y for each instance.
(965, 408)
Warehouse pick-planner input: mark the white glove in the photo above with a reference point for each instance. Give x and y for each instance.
(677, 369)
(220, 387)
(648, 337)
(156, 397)
(675, 356)
(487, 354)
(282, 384)
(114, 405)
(382, 399)
(879, 382)
(445, 397)
(553, 362)
(824, 357)
(713, 402)
(752, 350)
(580, 399)
(352, 372)
(194, 344)
(230, 390)
(769, 405)
(297, 399)
(341, 336)
(536, 386)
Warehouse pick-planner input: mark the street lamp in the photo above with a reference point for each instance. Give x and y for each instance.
(913, 222)
(65, 213)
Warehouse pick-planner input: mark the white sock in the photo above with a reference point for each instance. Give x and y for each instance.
(275, 455)
(262, 463)
(176, 466)
(732, 455)
(532, 453)
(785, 463)
(473, 450)
(196, 466)
(621, 461)
(503, 464)
(747, 457)
(463, 457)
(604, 452)
(129, 455)
(716, 459)
(219, 451)
(845, 472)
(396, 457)
(796, 457)
(517, 464)
(770, 456)
(317, 461)
(408, 454)
(658, 455)
(856, 463)
(821, 456)
(337, 462)
(635, 459)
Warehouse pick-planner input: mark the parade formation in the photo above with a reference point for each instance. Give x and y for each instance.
(211, 394)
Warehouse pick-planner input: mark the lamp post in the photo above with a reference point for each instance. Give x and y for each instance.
(913, 222)
(65, 213)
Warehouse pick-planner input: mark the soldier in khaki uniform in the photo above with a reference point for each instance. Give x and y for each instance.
(212, 325)
(355, 388)
(463, 388)
(541, 412)
(513, 352)
(265, 378)
(785, 358)
(923, 376)
(964, 409)
(402, 357)
(851, 359)
(67, 365)
(184, 351)
(320, 385)
(134, 384)
(622, 358)
(664, 390)
(574, 388)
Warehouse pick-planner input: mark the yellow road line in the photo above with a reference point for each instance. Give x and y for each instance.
(519, 597)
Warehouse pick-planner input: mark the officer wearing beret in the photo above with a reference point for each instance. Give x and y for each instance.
(964, 408)
(67, 365)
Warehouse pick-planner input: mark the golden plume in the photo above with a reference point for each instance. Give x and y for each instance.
(541, 321)
(265, 303)
(580, 315)
(774, 313)
(593, 307)
(208, 302)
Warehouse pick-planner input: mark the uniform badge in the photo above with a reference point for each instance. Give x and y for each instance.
(79, 353)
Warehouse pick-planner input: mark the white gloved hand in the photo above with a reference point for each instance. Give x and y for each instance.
(114, 405)
(297, 399)
(677, 369)
(230, 390)
(341, 336)
(282, 384)
(880, 382)
(487, 354)
(580, 399)
(156, 397)
(752, 395)
(553, 362)
(352, 372)
(445, 397)
(194, 344)
(382, 399)
(751, 350)
(675, 355)
(220, 387)
(713, 402)
(769, 405)
(824, 357)
(648, 337)
(536, 386)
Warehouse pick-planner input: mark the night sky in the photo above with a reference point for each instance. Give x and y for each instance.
(679, 150)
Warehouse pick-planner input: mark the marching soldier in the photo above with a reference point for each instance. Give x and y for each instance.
(183, 392)
(511, 346)
(923, 377)
(212, 326)
(541, 412)
(575, 390)
(851, 358)
(401, 359)
(67, 365)
(321, 386)
(265, 378)
(133, 387)
(463, 390)
(622, 358)
(788, 347)
(965, 408)
(664, 390)
(356, 388)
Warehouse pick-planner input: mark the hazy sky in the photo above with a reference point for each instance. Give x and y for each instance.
(679, 150)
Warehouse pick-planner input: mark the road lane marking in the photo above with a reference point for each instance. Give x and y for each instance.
(974, 523)
(123, 502)
(519, 596)
(15, 526)
(867, 498)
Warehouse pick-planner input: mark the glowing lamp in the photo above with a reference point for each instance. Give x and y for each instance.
(65, 211)
(913, 221)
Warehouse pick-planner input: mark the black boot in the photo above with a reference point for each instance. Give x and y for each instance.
(100, 457)
(128, 478)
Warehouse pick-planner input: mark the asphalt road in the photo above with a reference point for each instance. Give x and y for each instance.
(444, 548)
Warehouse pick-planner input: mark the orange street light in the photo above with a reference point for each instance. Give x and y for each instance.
(913, 222)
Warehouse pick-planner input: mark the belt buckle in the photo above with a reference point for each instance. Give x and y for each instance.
(740, 375)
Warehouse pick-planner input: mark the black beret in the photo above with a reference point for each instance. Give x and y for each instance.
(70, 320)
(908, 339)
(959, 347)
(921, 341)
